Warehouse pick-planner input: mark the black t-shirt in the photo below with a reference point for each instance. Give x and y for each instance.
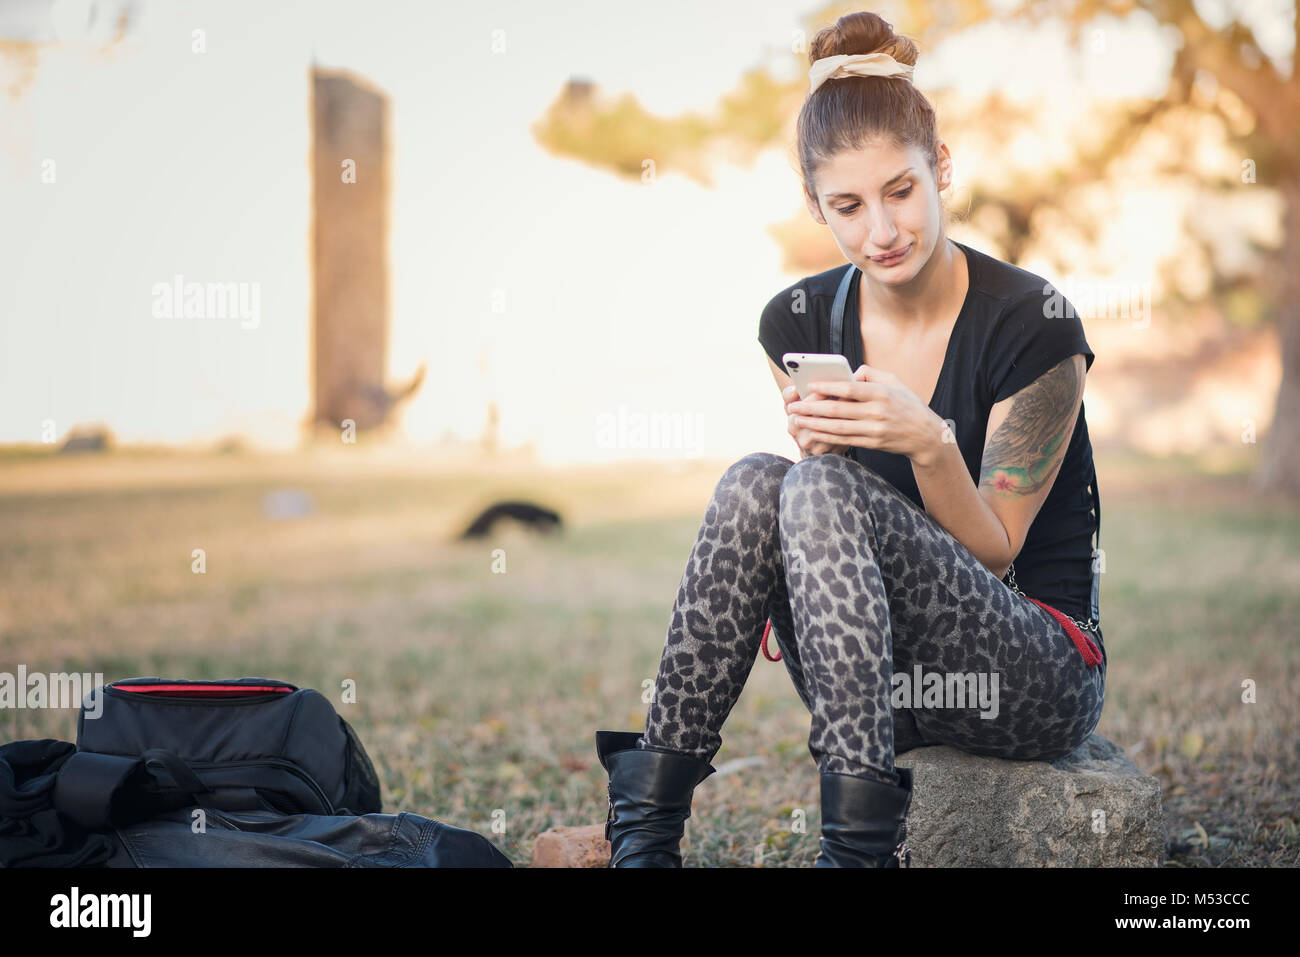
(1002, 341)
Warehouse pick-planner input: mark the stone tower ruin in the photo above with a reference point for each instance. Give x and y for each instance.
(350, 290)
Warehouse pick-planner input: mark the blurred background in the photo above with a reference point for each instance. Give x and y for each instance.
(291, 293)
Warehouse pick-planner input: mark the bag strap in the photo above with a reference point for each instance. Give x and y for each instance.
(1096, 503)
(182, 774)
(837, 310)
(99, 791)
(1094, 599)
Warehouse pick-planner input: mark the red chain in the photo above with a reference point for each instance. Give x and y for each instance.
(767, 631)
(1091, 656)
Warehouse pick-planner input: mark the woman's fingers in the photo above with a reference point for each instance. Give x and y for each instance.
(812, 442)
(828, 409)
(802, 437)
(807, 439)
(836, 427)
(795, 397)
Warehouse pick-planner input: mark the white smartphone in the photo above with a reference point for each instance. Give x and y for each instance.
(808, 367)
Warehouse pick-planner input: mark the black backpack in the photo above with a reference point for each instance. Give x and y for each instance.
(146, 745)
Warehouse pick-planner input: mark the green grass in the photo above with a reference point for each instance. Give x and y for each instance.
(479, 691)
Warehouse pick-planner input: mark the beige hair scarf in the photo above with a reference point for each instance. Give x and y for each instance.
(856, 64)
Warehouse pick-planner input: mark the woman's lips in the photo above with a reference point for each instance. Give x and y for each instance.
(893, 260)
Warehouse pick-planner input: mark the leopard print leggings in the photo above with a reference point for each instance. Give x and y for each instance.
(861, 585)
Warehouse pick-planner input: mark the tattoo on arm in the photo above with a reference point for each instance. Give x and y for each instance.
(1021, 456)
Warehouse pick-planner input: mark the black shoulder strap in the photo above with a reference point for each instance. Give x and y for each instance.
(837, 311)
(1096, 503)
(1095, 596)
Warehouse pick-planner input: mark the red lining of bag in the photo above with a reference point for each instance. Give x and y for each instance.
(205, 691)
(1087, 647)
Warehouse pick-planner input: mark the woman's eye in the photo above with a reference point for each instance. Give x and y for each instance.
(850, 210)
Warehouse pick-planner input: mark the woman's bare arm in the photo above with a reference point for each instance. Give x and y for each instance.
(1028, 434)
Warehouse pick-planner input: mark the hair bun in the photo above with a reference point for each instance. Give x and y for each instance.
(862, 33)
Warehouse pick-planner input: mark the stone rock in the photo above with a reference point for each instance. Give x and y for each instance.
(1091, 808)
(572, 847)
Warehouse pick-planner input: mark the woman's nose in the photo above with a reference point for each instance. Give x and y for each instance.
(882, 232)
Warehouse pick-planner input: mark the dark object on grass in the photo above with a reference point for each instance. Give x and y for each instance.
(531, 516)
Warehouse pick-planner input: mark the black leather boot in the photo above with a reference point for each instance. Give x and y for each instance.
(864, 821)
(649, 799)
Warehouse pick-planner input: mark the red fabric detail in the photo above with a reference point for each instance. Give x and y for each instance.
(205, 691)
(1087, 647)
(766, 631)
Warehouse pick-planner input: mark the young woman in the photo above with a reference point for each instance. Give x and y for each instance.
(883, 551)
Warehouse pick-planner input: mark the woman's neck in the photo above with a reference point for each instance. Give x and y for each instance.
(929, 297)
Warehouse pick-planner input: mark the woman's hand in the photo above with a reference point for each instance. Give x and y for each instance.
(874, 411)
(802, 434)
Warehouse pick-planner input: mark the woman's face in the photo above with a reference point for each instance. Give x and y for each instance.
(873, 210)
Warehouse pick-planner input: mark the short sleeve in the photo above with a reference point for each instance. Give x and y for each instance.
(786, 324)
(1034, 334)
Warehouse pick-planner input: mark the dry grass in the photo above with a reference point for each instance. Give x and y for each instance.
(480, 691)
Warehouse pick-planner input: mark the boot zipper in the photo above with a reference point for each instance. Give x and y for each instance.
(903, 854)
(609, 818)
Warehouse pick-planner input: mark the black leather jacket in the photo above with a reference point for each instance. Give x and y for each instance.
(269, 839)
(34, 833)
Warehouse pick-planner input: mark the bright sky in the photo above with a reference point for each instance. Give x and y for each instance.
(618, 296)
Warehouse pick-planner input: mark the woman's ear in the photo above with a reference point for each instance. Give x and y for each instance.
(944, 170)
